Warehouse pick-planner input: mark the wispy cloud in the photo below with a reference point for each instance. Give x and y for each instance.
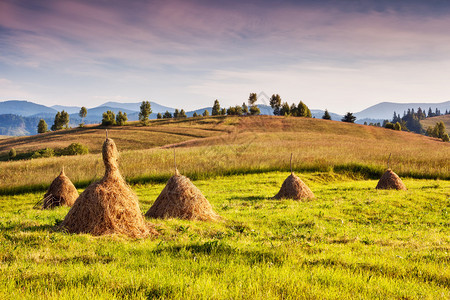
(173, 48)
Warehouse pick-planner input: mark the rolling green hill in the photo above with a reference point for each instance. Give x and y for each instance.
(217, 146)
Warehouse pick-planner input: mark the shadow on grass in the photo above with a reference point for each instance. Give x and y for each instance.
(222, 250)
(249, 198)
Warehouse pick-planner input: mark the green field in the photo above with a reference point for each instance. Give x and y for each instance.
(352, 241)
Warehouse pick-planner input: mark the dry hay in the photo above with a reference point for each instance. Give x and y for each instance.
(108, 206)
(390, 181)
(294, 188)
(61, 192)
(181, 199)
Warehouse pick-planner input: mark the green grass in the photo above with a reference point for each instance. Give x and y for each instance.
(351, 242)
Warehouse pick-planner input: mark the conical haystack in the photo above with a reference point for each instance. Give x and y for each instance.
(181, 199)
(61, 192)
(294, 188)
(390, 181)
(109, 205)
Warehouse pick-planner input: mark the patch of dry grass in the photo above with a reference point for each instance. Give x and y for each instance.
(431, 122)
(255, 144)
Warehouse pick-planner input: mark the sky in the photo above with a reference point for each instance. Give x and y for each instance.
(343, 55)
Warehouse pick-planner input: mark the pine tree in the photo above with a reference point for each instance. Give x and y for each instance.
(275, 103)
(176, 113)
(61, 121)
(349, 118)
(293, 110)
(216, 108)
(145, 111)
(121, 118)
(42, 126)
(167, 115)
(303, 110)
(205, 113)
(159, 116)
(285, 109)
(109, 118)
(326, 115)
(182, 114)
(244, 109)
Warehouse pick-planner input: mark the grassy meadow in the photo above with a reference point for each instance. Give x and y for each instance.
(235, 146)
(351, 242)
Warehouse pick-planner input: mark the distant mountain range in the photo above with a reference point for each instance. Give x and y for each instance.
(385, 110)
(19, 117)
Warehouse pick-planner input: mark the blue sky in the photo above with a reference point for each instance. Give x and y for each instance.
(340, 55)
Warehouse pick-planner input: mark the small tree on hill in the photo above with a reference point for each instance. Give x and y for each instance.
(159, 116)
(349, 118)
(42, 126)
(326, 115)
(303, 110)
(293, 110)
(445, 137)
(223, 111)
(56, 123)
(244, 109)
(64, 119)
(12, 153)
(275, 103)
(145, 111)
(397, 126)
(388, 125)
(82, 114)
(285, 109)
(182, 114)
(194, 115)
(205, 113)
(254, 110)
(176, 113)
(121, 118)
(61, 121)
(167, 115)
(216, 108)
(109, 118)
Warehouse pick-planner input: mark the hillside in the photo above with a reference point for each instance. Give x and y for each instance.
(222, 145)
(431, 122)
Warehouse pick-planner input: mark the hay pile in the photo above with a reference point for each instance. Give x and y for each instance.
(390, 181)
(294, 188)
(61, 192)
(108, 206)
(181, 199)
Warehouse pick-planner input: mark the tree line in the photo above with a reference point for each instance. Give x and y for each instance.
(410, 121)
